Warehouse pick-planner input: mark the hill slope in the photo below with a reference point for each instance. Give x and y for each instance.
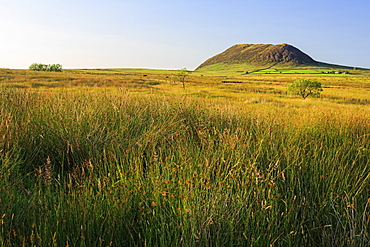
(261, 54)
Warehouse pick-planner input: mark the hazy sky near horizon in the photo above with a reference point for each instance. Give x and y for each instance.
(176, 34)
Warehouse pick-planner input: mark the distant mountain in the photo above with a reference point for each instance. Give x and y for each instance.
(262, 54)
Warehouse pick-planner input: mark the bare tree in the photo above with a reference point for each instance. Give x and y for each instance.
(181, 76)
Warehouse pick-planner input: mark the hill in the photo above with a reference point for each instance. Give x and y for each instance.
(261, 54)
(254, 57)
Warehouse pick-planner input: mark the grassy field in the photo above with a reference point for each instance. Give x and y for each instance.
(128, 157)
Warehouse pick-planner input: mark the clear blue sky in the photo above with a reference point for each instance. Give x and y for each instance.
(176, 34)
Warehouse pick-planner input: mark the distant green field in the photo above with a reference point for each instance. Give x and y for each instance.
(242, 69)
(299, 71)
(266, 71)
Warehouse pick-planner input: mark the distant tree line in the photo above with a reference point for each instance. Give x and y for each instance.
(46, 67)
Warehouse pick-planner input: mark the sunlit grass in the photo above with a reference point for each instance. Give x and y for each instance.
(134, 164)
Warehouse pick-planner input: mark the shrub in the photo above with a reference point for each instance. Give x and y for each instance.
(46, 67)
(305, 88)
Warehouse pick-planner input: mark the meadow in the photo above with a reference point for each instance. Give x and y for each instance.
(128, 157)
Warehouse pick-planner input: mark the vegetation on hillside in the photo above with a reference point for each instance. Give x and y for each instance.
(261, 54)
(267, 59)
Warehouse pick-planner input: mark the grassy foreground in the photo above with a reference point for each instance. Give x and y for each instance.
(114, 168)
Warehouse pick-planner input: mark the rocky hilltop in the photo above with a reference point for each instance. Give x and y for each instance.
(261, 54)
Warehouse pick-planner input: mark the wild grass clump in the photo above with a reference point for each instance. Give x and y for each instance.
(116, 169)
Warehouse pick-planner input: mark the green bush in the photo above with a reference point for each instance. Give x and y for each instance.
(305, 88)
(46, 67)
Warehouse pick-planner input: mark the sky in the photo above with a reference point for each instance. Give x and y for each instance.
(169, 34)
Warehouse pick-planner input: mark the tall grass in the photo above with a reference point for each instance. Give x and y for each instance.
(115, 169)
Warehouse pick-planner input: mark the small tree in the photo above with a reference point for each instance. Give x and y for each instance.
(305, 88)
(181, 76)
